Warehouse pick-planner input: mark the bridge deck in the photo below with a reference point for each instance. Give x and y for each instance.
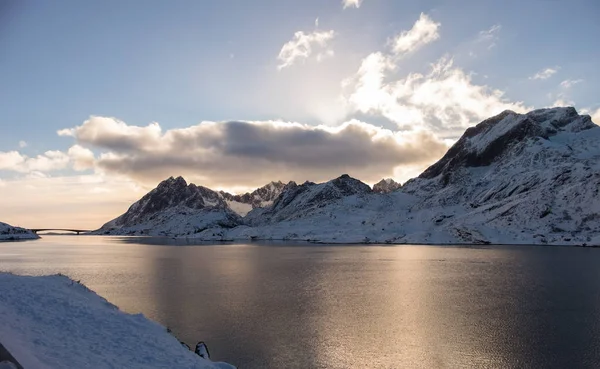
(78, 231)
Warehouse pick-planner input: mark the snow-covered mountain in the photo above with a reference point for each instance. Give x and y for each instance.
(11, 233)
(174, 208)
(514, 178)
(261, 197)
(299, 201)
(386, 185)
(517, 178)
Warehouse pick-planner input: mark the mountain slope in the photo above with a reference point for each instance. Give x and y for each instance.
(174, 208)
(514, 178)
(524, 178)
(261, 197)
(299, 201)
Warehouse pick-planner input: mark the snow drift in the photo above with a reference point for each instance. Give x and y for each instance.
(55, 322)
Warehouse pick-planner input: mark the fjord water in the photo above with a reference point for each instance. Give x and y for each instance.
(314, 306)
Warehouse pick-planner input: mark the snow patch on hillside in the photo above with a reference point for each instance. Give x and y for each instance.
(239, 208)
(259, 198)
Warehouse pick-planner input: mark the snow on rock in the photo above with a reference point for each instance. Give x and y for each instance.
(11, 233)
(536, 181)
(514, 178)
(299, 201)
(174, 208)
(485, 143)
(54, 322)
(386, 185)
(261, 197)
(355, 218)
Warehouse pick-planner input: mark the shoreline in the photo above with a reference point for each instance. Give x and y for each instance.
(319, 242)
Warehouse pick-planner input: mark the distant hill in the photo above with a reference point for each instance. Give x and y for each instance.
(11, 233)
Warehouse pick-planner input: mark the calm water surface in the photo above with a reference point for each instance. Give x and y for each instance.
(305, 306)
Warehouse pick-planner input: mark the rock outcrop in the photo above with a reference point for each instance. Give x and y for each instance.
(386, 185)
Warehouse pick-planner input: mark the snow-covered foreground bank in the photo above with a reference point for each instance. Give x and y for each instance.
(54, 322)
(11, 233)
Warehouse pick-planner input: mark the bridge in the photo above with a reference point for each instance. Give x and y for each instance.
(77, 231)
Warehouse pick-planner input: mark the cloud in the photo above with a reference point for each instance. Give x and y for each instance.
(545, 73)
(22, 144)
(77, 157)
(596, 116)
(568, 83)
(324, 55)
(114, 134)
(301, 47)
(49, 161)
(490, 35)
(563, 98)
(423, 32)
(253, 153)
(350, 3)
(46, 162)
(82, 158)
(444, 100)
(562, 101)
(11, 159)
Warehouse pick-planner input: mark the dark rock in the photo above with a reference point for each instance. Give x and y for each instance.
(491, 139)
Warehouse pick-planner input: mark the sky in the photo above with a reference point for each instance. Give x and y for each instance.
(101, 100)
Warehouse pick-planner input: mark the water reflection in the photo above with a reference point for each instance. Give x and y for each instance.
(306, 306)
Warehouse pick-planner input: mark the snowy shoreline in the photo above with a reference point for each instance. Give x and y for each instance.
(56, 322)
(341, 243)
(11, 233)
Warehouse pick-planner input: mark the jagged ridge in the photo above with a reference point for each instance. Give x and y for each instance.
(513, 178)
(174, 208)
(483, 144)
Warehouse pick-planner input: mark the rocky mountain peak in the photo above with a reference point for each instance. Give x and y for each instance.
(172, 182)
(386, 185)
(169, 194)
(297, 200)
(347, 185)
(313, 193)
(489, 140)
